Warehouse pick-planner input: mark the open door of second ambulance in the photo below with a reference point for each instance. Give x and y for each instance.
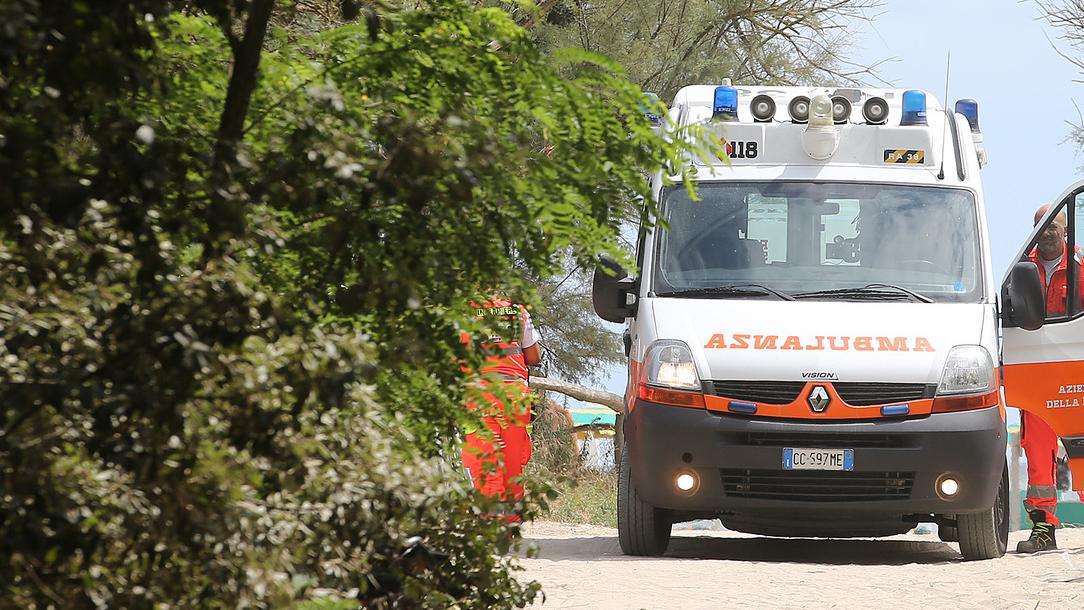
(1043, 326)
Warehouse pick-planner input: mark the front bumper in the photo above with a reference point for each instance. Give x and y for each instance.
(738, 461)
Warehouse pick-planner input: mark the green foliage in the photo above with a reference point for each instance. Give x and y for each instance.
(580, 494)
(663, 45)
(444, 158)
(197, 412)
(586, 496)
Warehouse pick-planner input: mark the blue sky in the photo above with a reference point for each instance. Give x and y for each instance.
(1003, 57)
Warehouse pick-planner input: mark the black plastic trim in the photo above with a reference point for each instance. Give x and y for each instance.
(1074, 446)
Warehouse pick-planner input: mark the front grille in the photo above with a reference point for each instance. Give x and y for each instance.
(826, 441)
(764, 392)
(865, 394)
(857, 393)
(817, 486)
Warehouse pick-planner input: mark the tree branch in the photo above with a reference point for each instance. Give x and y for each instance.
(579, 392)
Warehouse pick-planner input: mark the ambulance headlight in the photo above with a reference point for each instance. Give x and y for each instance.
(798, 109)
(669, 364)
(841, 109)
(968, 370)
(875, 111)
(763, 108)
(820, 112)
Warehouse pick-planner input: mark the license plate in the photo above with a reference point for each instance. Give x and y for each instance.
(818, 459)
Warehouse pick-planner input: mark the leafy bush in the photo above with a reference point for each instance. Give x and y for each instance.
(194, 469)
(230, 325)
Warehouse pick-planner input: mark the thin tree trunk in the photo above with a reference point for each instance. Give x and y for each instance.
(226, 214)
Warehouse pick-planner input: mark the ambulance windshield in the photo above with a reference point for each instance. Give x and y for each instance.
(821, 241)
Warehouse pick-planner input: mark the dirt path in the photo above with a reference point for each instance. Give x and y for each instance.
(582, 567)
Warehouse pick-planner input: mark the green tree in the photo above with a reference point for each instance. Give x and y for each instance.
(665, 45)
(234, 266)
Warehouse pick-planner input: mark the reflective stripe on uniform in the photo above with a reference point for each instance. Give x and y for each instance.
(512, 350)
(1042, 491)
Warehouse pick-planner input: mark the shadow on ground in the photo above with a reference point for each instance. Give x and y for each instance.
(760, 549)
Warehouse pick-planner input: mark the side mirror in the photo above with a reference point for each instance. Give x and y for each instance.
(611, 291)
(1022, 297)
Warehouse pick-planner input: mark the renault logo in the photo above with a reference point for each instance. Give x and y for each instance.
(818, 399)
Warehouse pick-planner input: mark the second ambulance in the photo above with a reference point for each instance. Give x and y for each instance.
(816, 342)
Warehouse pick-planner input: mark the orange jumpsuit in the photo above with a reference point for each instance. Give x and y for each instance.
(495, 460)
(1037, 438)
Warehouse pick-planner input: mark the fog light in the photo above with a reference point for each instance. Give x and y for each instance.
(685, 481)
(949, 486)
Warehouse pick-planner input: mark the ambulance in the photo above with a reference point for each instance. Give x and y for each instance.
(816, 342)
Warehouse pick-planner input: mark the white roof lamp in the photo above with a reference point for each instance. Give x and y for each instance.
(820, 138)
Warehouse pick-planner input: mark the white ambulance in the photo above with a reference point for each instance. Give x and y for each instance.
(816, 343)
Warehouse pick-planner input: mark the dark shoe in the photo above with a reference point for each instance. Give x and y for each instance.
(1042, 535)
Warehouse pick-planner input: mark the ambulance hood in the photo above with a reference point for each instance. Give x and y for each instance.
(818, 340)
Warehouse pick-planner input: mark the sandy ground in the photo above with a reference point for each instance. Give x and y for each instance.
(581, 566)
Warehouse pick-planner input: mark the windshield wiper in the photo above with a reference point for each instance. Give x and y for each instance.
(734, 290)
(874, 291)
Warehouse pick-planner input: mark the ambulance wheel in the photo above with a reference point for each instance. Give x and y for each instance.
(642, 529)
(985, 535)
(948, 533)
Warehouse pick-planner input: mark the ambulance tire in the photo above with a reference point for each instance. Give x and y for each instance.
(948, 533)
(642, 529)
(985, 535)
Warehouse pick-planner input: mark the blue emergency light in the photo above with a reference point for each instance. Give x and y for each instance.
(648, 106)
(725, 107)
(970, 109)
(914, 108)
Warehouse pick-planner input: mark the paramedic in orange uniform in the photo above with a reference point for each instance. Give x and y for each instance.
(1037, 438)
(496, 458)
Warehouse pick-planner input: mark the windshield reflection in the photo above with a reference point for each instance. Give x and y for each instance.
(814, 238)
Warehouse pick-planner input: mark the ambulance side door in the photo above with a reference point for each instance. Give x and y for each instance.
(1043, 368)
